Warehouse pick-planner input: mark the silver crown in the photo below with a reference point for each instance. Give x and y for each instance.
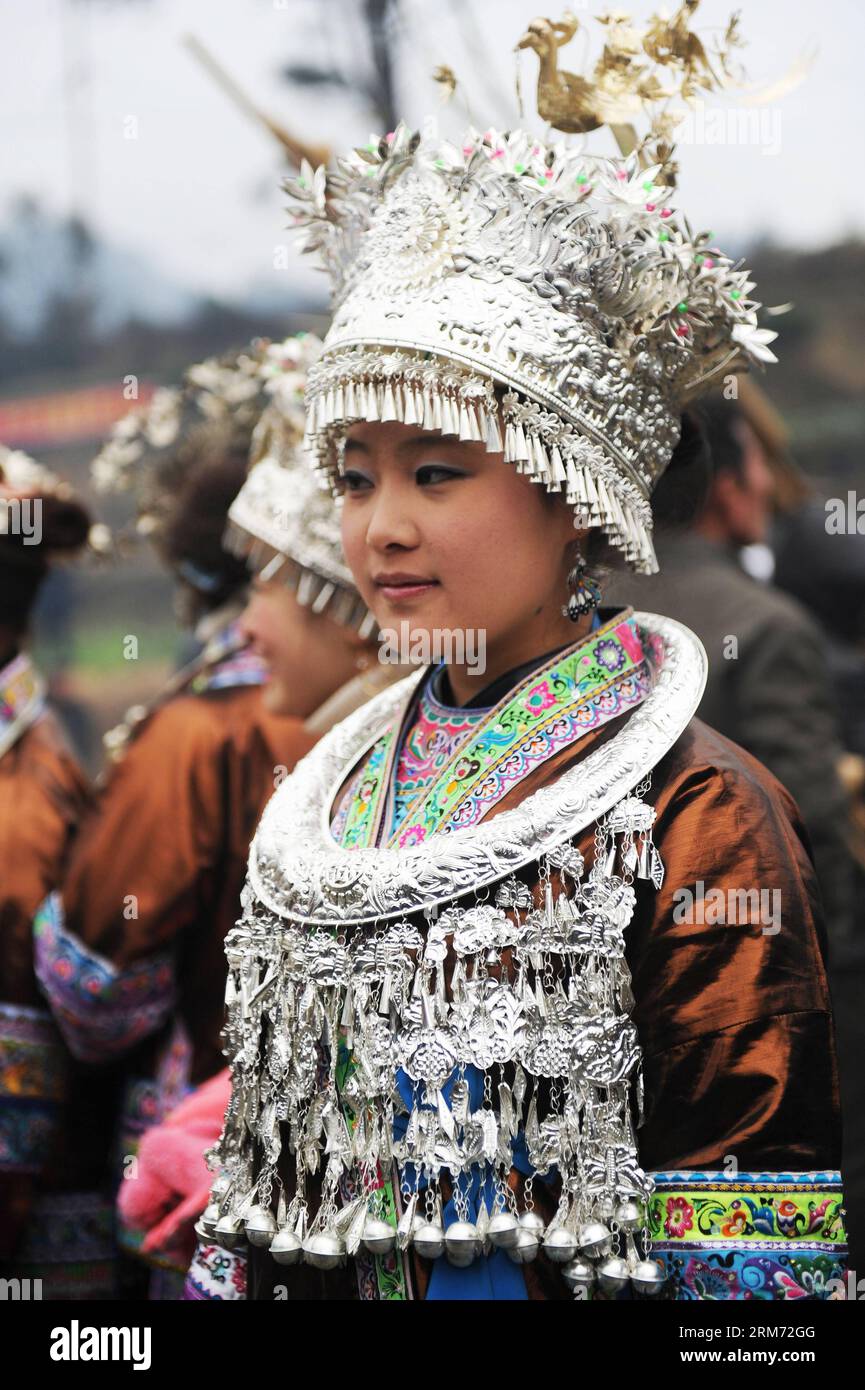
(281, 521)
(20, 473)
(563, 279)
(146, 451)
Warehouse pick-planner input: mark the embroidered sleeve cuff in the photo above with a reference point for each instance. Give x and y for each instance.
(216, 1274)
(750, 1235)
(102, 1011)
(32, 1084)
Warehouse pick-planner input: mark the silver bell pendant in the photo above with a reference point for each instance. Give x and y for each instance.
(379, 1237)
(286, 1247)
(595, 1240)
(463, 1244)
(260, 1227)
(527, 1246)
(531, 1221)
(613, 1274)
(428, 1240)
(205, 1227)
(579, 1274)
(503, 1230)
(325, 1250)
(560, 1245)
(528, 1242)
(648, 1277)
(228, 1232)
(628, 1216)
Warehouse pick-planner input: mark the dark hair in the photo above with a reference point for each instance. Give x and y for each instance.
(720, 419)
(64, 528)
(681, 491)
(19, 585)
(192, 540)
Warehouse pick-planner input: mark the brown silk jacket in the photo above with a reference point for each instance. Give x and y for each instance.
(734, 1021)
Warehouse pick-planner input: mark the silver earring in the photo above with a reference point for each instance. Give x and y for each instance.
(584, 591)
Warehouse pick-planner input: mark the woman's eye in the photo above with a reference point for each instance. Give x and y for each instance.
(431, 473)
(353, 481)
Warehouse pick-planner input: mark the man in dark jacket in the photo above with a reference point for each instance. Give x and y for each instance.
(768, 686)
(770, 689)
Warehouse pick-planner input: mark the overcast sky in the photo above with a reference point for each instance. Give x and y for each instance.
(196, 187)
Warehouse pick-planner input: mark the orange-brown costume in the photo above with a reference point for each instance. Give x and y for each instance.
(43, 792)
(155, 880)
(130, 953)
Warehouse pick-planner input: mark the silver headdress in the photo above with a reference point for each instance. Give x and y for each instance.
(145, 454)
(281, 522)
(548, 302)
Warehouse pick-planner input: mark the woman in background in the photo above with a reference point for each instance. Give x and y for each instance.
(43, 794)
(130, 949)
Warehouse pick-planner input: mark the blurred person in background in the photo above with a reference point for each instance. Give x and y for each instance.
(776, 672)
(300, 620)
(43, 794)
(768, 687)
(820, 560)
(130, 951)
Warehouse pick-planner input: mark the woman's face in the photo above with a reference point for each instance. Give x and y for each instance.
(308, 656)
(443, 535)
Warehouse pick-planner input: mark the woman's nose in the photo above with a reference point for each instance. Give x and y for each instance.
(391, 522)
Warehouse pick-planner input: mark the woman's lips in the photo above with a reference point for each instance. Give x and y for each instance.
(397, 587)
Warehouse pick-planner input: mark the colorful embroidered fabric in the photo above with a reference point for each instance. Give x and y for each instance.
(215, 1274)
(69, 1246)
(100, 1010)
(32, 1087)
(428, 746)
(244, 667)
(607, 672)
(351, 823)
(750, 1236)
(22, 699)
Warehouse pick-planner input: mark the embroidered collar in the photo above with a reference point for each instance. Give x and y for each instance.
(22, 699)
(428, 745)
(298, 871)
(470, 759)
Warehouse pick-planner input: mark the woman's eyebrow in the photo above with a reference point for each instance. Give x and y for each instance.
(408, 446)
(430, 441)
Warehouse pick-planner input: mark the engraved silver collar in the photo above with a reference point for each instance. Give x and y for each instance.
(298, 872)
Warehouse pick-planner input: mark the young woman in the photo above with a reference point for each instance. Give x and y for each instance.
(528, 1000)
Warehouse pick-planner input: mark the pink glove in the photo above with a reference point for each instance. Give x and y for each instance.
(172, 1185)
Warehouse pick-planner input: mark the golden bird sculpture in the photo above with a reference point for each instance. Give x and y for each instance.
(638, 69)
(567, 101)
